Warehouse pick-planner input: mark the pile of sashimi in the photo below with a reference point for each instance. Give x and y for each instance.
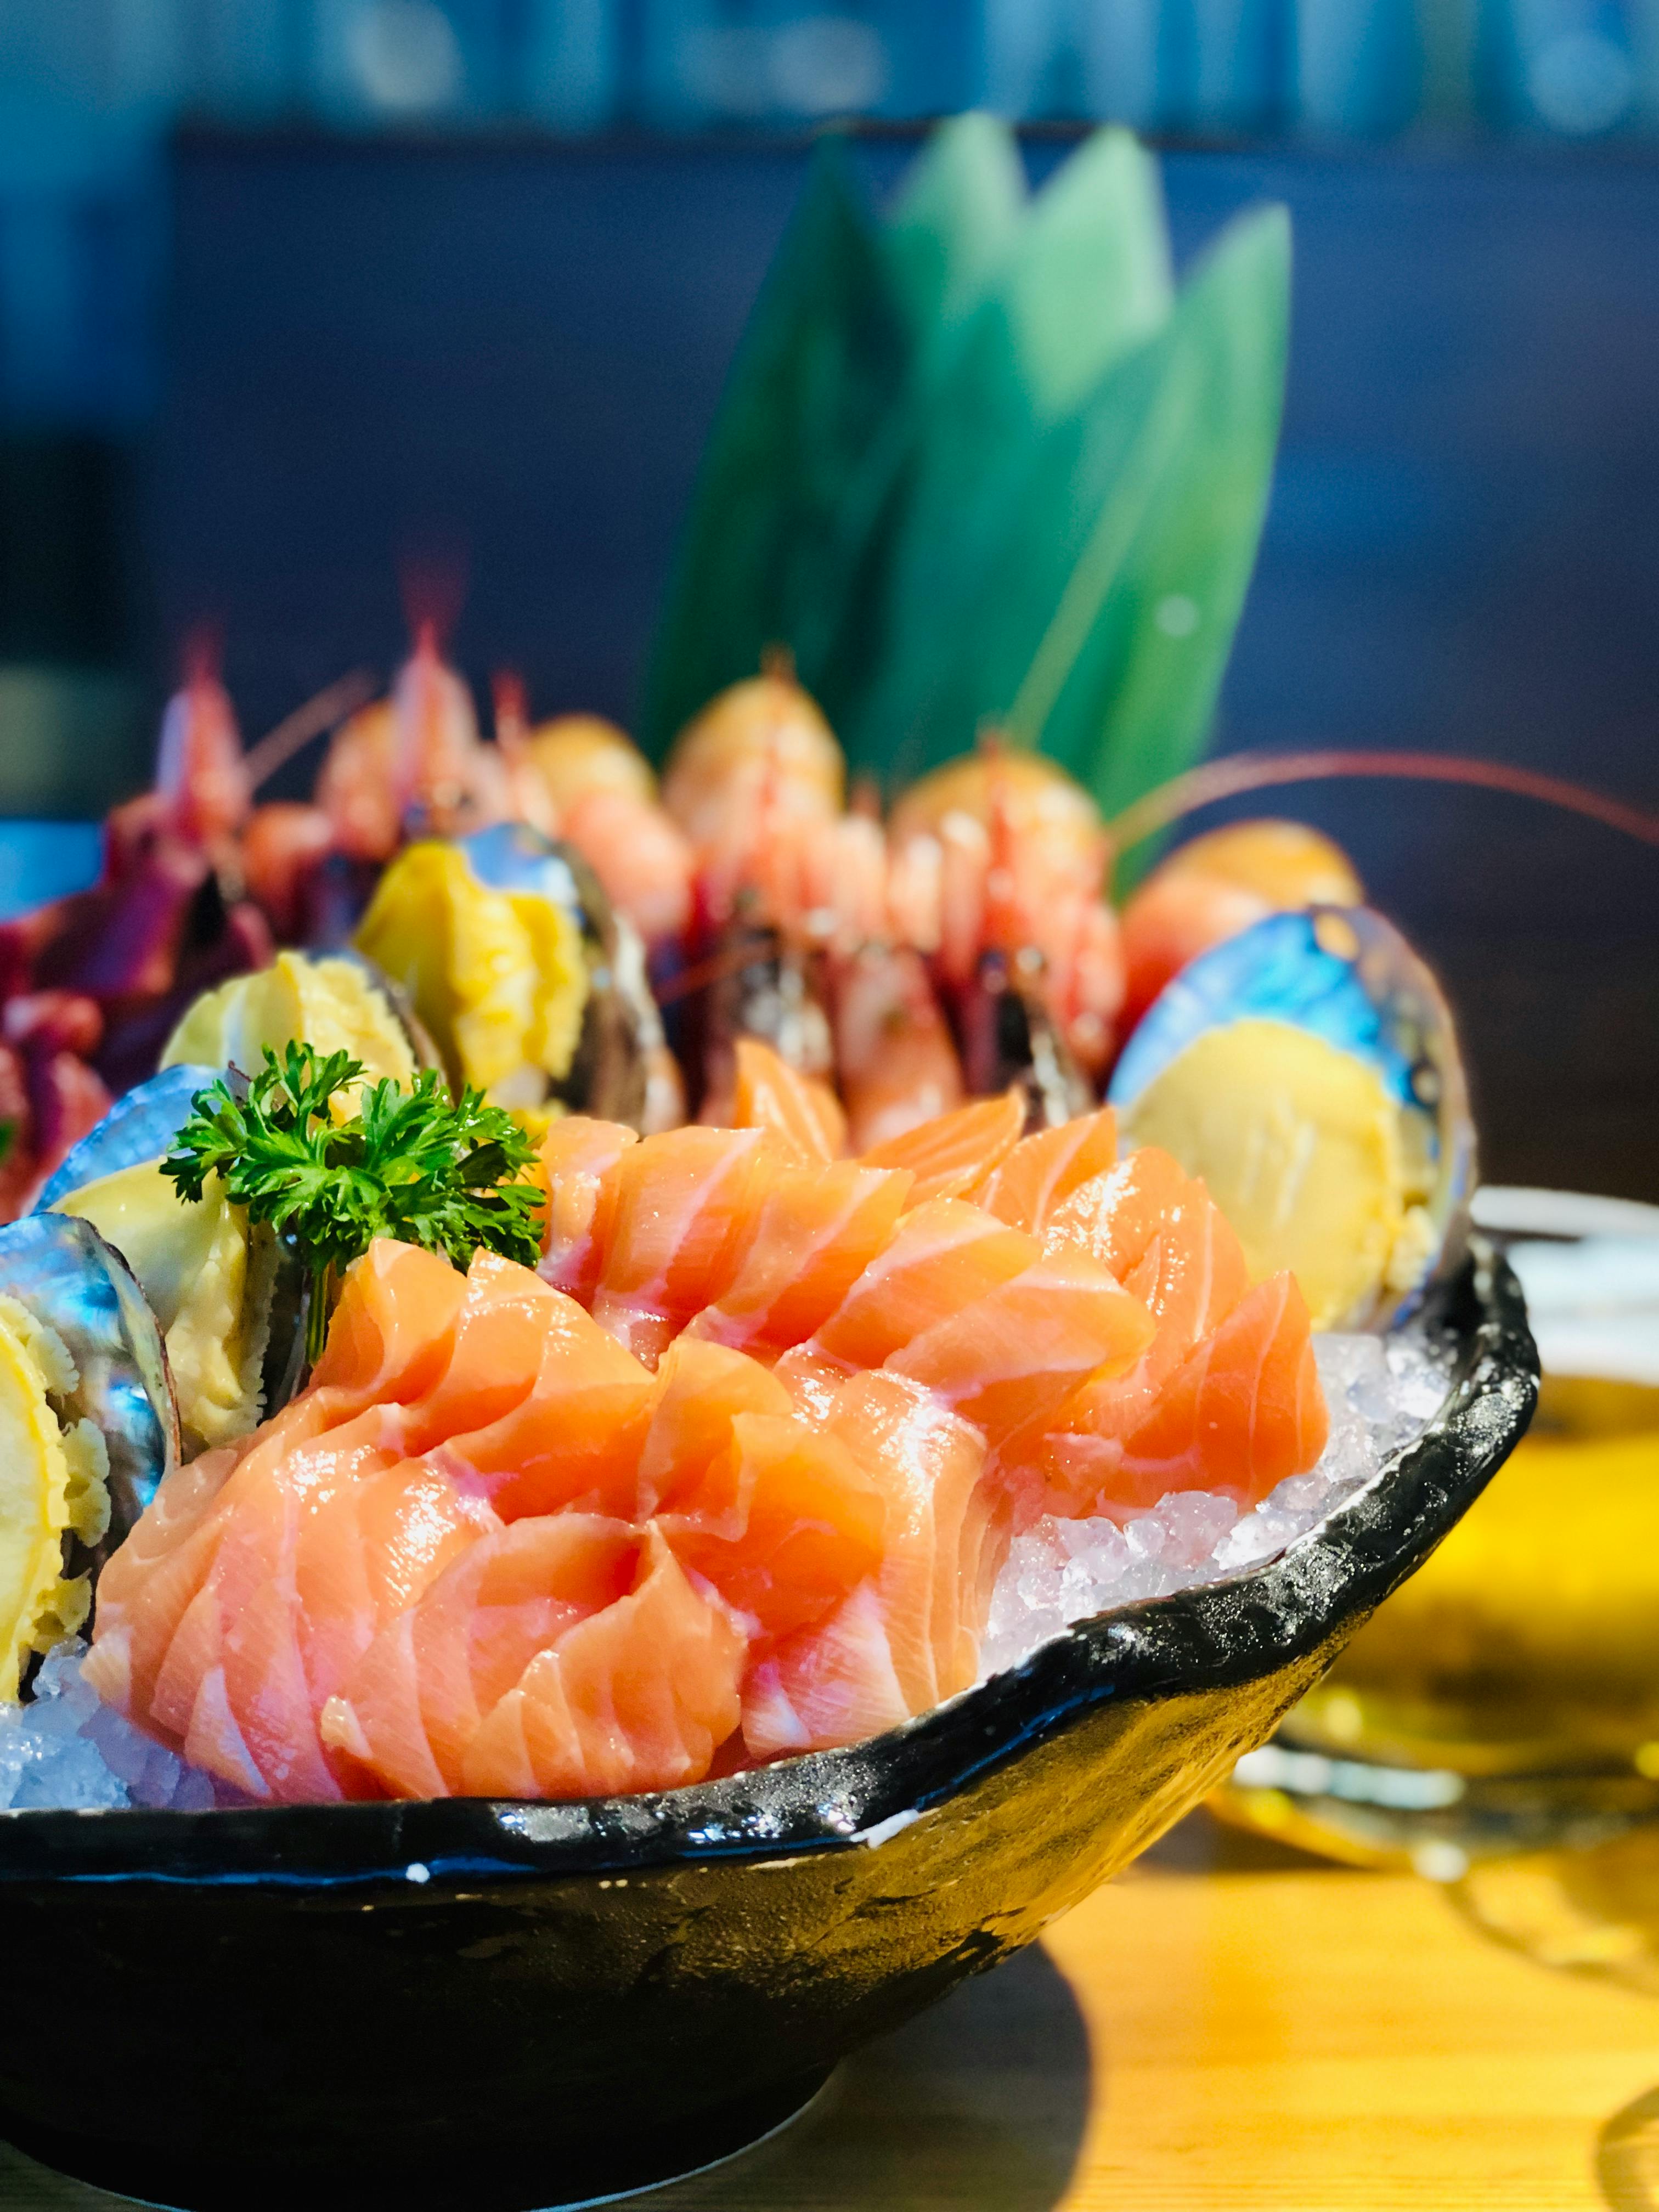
(637, 1460)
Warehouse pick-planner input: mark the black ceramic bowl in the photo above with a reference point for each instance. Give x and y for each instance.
(519, 2005)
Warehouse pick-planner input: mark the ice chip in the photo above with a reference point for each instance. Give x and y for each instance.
(1381, 1393)
(66, 1751)
(193, 1792)
(1195, 1522)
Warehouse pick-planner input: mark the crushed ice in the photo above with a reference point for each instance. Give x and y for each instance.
(1381, 1392)
(69, 1750)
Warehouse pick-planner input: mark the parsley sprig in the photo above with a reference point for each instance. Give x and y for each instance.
(410, 1164)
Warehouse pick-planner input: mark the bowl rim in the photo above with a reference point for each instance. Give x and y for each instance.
(1217, 1636)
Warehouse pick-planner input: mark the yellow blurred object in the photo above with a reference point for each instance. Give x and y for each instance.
(1301, 1145)
(331, 1004)
(1286, 864)
(497, 977)
(53, 1484)
(762, 744)
(576, 754)
(1531, 1638)
(1499, 1713)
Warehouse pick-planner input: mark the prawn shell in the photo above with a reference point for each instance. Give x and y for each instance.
(1005, 1034)
(65, 1273)
(622, 1038)
(1346, 976)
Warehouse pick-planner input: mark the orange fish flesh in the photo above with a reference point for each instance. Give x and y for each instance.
(949, 1155)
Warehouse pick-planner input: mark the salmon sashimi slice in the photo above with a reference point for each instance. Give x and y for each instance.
(784, 1522)
(678, 1212)
(390, 1336)
(803, 1114)
(946, 1533)
(233, 1685)
(574, 1437)
(149, 1583)
(638, 1696)
(150, 1589)
(419, 1693)
(832, 1685)
(944, 1256)
(817, 1229)
(1009, 1360)
(575, 1155)
(951, 1153)
(1242, 1412)
(367, 1552)
(1116, 1216)
(496, 1351)
(315, 1542)
(812, 1380)
(700, 1389)
(1044, 1170)
(1189, 1277)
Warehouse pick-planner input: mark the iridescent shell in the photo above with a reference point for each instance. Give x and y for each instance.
(64, 1272)
(1347, 976)
(270, 1324)
(137, 1127)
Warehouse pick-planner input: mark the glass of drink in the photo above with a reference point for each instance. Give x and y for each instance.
(1506, 1699)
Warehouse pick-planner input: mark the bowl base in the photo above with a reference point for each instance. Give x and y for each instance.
(565, 2182)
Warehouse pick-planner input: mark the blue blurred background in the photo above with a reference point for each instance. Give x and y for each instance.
(294, 290)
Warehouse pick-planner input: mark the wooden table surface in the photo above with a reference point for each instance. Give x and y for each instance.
(1225, 2027)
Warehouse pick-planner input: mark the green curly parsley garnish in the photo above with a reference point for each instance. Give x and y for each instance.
(409, 1165)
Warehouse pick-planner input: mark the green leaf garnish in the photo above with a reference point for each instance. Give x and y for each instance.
(980, 462)
(410, 1164)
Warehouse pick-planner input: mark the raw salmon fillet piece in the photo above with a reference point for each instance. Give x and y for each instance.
(572, 1437)
(638, 1696)
(575, 1157)
(390, 1334)
(1008, 1360)
(1115, 1217)
(1044, 1170)
(678, 1211)
(804, 1116)
(1190, 1275)
(311, 1542)
(497, 1348)
(908, 1634)
(950, 1154)
(1240, 1411)
(784, 1522)
(698, 1391)
(149, 1583)
(817, 1231)
(944, 1255)
(564, 1657)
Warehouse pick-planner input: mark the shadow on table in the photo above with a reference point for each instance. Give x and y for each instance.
(978, 2106)
(1627, 2157)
